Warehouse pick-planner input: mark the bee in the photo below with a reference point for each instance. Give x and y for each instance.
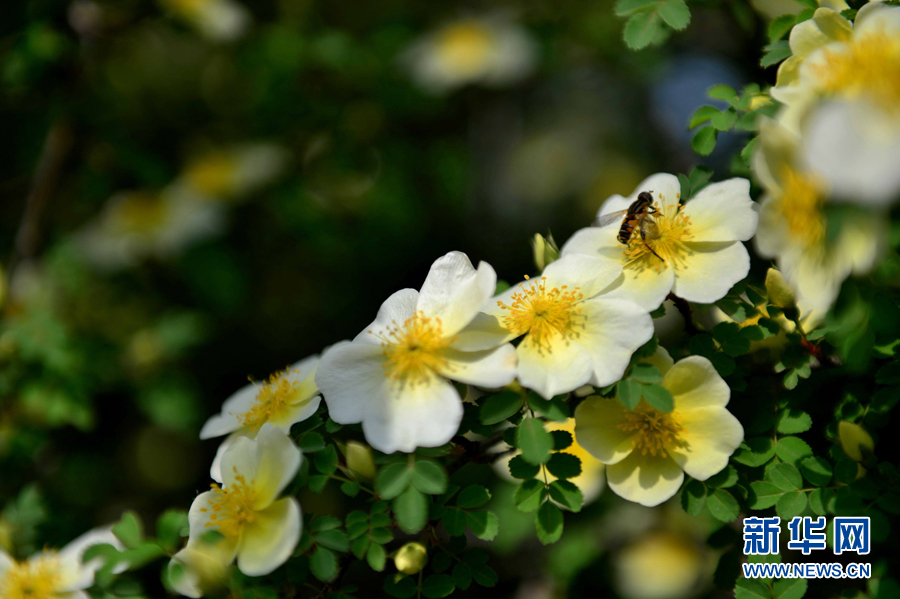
(638, 215)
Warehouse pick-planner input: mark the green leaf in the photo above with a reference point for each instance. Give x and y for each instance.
(704, 141)
(567, 494)
(659, 397)
(333, 539)
(402, 588)
(411, 510)
(775, 53)
(817, 502)
(529, 495)
(784, 476)
(326, 460)
(519, 468)
(624, 8)
(793, 421)
(376, 557)
(889, 374)
(751, 588)
(646, 373)
(534, 441)
(781, 25)
(454, 522)
(722, 505)
(724, 479)
(641, 29)
(171, 527)
(699, 177)
(693, 497)
(725, 120)
(629, 393)
(723, 92)
(675, 13)
(129, 530)
(723, 364)
(792, 449)
(472, 497)
(392, 479)
(360, 545)
(429, 477)
(549, 523)
(791, 504)
(701, 115)
(499, 407)
(755, 451)
(564, 465)
(323, 564)
(311, 442)
(765, 495)
(789, 588)
(816, 470)
(350, 488)
(685, 183)
(437, 585)
(562, 440)
(555, 408)
(484, 524)
(324, 523)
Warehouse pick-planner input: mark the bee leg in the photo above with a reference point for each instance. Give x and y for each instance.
(644, 239)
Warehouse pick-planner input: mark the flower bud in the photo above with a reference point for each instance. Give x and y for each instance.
(780, 293)
(359, 460)
(545, 250)
(411, 558)
(856, 442)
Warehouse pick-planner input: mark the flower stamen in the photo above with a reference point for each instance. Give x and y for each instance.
(543, 314)
(653, 429)
(34, 579)
(232, 507)
(273, 400)
(414, 350)
(662, 243)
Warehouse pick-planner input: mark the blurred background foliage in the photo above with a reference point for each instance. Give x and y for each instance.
(106, 374)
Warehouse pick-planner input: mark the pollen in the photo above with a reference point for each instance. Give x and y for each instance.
(867, 66)
(273, 401)
(465, 46)
(214, 174)
(414, 350)
(546, 316)
(663, 243)
(35, 579)
(232, 507)
(653, 430)
(800, 207)
(137, 213)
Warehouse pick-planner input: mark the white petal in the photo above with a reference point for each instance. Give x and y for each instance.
(710, 270)
(695, 383)
(615, 203)
(597, 421)
(488, 368)
(485, 331)
(614, 328)
(455, 292)
(80, 575)
(270, 539)
(306, 367)
(663, 186)
(393, 312)
(709, 438)
(559, 368)
(215, 471)
(228, 420)
(591, 274)
(647, 287)
(223, 20)
(269, 463)
(6, 562)
(348, 375)
(402, 419)
(723, 212)
(645, 479)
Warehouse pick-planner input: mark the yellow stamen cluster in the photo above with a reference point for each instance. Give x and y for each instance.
(34, 579)
(544, 314)
(273, 400)
(465, 46)
(665, 234)
(414, 350)
(868, 67)
(653, 430)
(800, 206)
(138, 212)
(214, 175)
(232, 507)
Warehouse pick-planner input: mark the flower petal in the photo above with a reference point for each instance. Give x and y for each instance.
(645, 478)
(723, 212)
(710, 270)
(77, 575)
(647, 287)
(591, 274)
(395, 310)
(215, 470)
(488, 368)
(597, 421)
(348, 375)
(228, 420)
(485, 331)
(663, 186)
(270, 539)
(695, 383)
(559, 368)
(455, 292)
(709, 437)
(661, 359)
(613, 329)
(269, 463)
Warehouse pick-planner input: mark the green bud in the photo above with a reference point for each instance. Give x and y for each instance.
(780, 293)
(545, 250)
(411, 558)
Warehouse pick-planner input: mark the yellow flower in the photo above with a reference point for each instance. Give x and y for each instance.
(648, 451)
(230, 174)
(658, 566)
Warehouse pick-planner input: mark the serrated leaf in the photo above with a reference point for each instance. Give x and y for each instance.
(659, 397)
(792, 449)
(775, 53)
(765, 495)
(646, 373)
(723, 92)
(704, 141)
(693, 497)
(321, 523)
(784, 476)
(454, 522)
(755, 451)
(641, 29)
(724, 479)
(624, 8)
(549, 523)
(781, 25)
(402, 588)
(701, 115)
(534, 441)
(722, 505)
(567, 494)
(484, 524)
(751, 588)
(429, 477)
(529, 494)
(437, 585)
(629, 393)
(411, 510)
(564, 465)
(129, 530)
(793, 421)
(816, 470)
(725, 120)
(171, 526)
(499, 407)
(376, 557)
(392, 479)
(519, 468)
(323, 564)
(473, 496)
(789, 588)
(675, 13)
(562, 440)
(791, 504)
(333, 539)
(326, 460)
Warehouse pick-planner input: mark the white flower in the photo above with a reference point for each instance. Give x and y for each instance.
(137, 225)
(51, 574)
(648, 451)
(845, 100)
(694, 252)
(793, 226)
(573, 336)
(660, 565)
(257, 528)
(288, 396)
(219, 20)
(393, 376)
(201, 568)
(230, 174)
(492, 51)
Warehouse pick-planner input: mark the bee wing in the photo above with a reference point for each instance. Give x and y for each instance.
(608, 219)
(649, 228)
